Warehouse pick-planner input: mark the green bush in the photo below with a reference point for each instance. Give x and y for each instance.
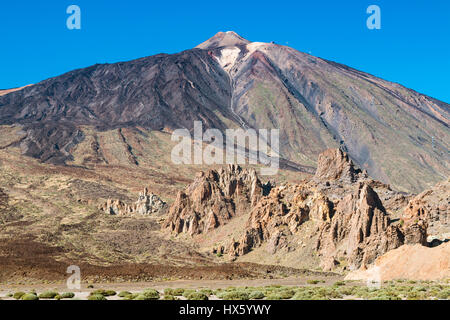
(148, 294)
(67, 295)
(347, 291)
(273, 296)
(256, 295)
(197, 296)
(444, 294)
(174, 292)
(18, 295)
(313, 281)
(58, 297)
(131, 296)
(413, 295)
(169, 297)
(234, 295)
(286, 294)
(124, 294)
(48, 295)
(188, 292)
(105, 293)
(207, 292)
(96, 297)
(308, 295)
(30, 297)
(109, 293)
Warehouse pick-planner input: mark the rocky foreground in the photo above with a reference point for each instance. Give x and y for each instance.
(351, 219)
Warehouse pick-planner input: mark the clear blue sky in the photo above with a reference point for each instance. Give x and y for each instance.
(412, 48)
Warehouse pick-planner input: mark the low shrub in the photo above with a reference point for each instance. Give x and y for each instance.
(124, 294)
(188, 292)
(207, 292)
(286, 294)
(444, 294)
(96, 297)
(197, 296)
(149, 294)
(67, 295)
(18, 295)
(256, 295)
(105, 293)
(29, 297)
(174, 292)
(131, 296)
(273, 296)
(234, 295)
(48, 295)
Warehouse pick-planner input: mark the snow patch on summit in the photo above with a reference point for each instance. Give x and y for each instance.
(228, 57)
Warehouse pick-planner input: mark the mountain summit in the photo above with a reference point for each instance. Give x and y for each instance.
(398, 135)
(223, 39)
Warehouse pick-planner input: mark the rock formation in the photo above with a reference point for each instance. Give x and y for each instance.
(335, 165)
(359, 231)
(433, 208)
(213, 199)
(353, 227)
(147, 203)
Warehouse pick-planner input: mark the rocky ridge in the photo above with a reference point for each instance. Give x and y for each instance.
(147, 204)
(352, 226)
(214, 198)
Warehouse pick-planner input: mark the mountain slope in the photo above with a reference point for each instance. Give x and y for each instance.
(400, 136)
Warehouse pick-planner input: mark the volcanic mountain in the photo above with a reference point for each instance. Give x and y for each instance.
(399, 136)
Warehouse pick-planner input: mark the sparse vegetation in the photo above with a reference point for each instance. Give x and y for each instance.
(234, 295)
(105, 293)
(96, 297)
(67, 295)
(18, 295)
(174, 292)
(256, 295)
(48, 295)
(147, 294)
(389, 290)
(124, 294)
(29, 297)
(197, 296)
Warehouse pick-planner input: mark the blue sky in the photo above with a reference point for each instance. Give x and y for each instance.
(412, 47)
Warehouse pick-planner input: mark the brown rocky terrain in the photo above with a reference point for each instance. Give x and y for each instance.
(147, 203)
(347, 220)
(414, 262)
(433, 207)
